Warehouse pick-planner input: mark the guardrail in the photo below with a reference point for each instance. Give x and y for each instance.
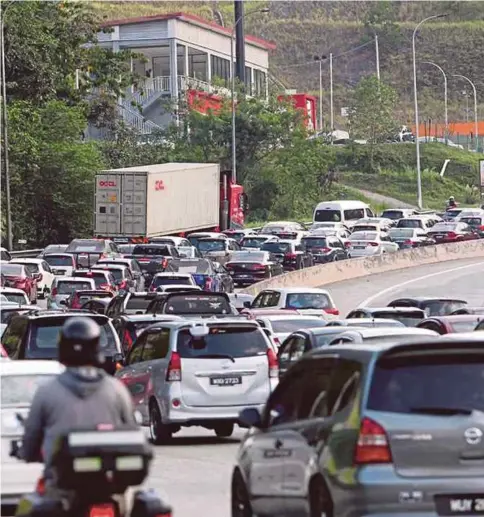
(25, 253)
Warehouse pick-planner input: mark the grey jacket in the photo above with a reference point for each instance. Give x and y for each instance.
(78, 398)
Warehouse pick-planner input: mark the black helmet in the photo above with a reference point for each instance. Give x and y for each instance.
(79, 343)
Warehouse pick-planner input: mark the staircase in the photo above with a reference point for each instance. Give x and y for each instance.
(133, 118)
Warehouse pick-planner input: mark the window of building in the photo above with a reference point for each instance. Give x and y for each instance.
(197, 64)
(259, 83)
(221, 68)
(180, 59)
(248, 80)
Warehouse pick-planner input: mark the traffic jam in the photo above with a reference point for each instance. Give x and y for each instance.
(380, 408)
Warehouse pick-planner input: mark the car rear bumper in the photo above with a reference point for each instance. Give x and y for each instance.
(322, 259)
(247, 278)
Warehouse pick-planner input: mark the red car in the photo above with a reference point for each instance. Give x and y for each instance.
(452, 232)
(20, 277)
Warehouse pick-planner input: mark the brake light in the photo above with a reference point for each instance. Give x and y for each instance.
(102, 510)
(481, 228)
(128, 340)
(452, 235)
(76, 304)
(104, 287)
(258, 267)
(54, 291)
(164, 263)
(40, 487)
(208, 284)
(332, 310)
(325, 250)
(374, 244)
(372, 446)
(273, 364)
(173, 373)
(123, 284)
(291, 255)
(408, 242)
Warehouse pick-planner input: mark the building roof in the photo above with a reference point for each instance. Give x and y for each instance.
(194, 20)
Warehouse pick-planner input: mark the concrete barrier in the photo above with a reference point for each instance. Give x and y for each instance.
(324, 274)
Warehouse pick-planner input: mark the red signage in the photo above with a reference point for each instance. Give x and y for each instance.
(159, 185)
(107, 183)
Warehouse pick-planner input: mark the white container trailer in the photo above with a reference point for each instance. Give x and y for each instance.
(152, 200)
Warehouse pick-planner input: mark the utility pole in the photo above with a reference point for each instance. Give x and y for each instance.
(377, 55)
(240, 40)
(476, 123)
(446, 111)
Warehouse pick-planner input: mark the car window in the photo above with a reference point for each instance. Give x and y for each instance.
(442, 307)
(285, 350)
(85, 245)
(428, 381)
(298, 349)
(136, 351)
(156, 346)
(170, 280)
(206, 303)
(431, 325)
(307, 301)
(46, 267)
(68, 287)
(56, 260)
(345, 383)
(13, 334)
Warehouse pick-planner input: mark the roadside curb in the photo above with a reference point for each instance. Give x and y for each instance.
(324, 274)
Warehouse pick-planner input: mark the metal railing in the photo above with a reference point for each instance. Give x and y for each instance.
(133, 118)
(25, 253)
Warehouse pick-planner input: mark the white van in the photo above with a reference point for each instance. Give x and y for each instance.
(346, 212)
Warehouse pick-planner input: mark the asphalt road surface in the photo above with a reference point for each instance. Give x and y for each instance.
(194, 471)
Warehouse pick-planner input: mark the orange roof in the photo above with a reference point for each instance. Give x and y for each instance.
(193, 19)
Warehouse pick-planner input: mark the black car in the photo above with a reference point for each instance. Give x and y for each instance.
(410, 316)
(248, 267)
(153, 258)
(290, 254)
(433, 306)
(129, 303)
(34, 335)
(324, 248)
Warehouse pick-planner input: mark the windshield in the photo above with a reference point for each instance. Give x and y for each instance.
(138, 303)
(328, 215)
(170, 280)
(276, 247)
(99, 278)
(444, 227)
(363, 236)
(442, 307)
(58, 260)
(67, 287)
(189, 304)
(248, 257)
(32, 267)
(45, 334)
(200, 267)
(12, 269)
(211, 245)
(288, 326)
(449, 381)
(152, 250)
(16, 298)
(410, 223)
(313, 242)
(392, 214)
(117, 274)
(408, 318)
(19, 390)
(307, 301)
(86, 246)
(401, 233)
(230, 341)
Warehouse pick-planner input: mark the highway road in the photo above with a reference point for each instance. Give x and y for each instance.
(194, 471)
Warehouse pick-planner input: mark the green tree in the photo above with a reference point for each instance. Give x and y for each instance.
(372, 112)
(52, 172)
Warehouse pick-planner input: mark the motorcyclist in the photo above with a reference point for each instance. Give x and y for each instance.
(82, 396)
(451, 203)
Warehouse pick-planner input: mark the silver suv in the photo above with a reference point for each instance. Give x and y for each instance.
(369, 430)
(64, 286)
(199, 373)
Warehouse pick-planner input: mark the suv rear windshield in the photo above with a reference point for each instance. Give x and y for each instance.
(86, 246)
(138, 303)
(428, 383)
(253, 242)
(328, 215)
(58, 260)
(98, 277)
(276, 247)
(408, 318)
(197, 266)
(222, 342)
(170, 280)
(152, 250)
(211, 245)
(392, 214)
(442, 307)
(307, 301)
(45, 333)
(117, 273)
(190, 304)
(67, 287)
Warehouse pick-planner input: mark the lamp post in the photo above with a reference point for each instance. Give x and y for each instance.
(320, 59)
(476, 125)
(5, 130)
(232, 92)
(446, 113)
(417, 143)
(377, 56)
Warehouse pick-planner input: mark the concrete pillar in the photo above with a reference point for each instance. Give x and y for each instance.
(173, 70)
(209, 68)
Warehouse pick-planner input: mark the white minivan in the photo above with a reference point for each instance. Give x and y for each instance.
(345, 212)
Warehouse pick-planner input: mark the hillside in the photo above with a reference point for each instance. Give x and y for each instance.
(302, 29)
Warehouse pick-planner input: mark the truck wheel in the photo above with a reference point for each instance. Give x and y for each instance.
(160, 432)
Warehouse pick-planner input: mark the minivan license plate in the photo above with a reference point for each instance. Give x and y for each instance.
(464, 504)
(225, 381)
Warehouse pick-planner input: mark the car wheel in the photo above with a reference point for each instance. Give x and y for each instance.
(159, 432)
(319, 499)
(335, 258)
(240, 498)
(224, 429)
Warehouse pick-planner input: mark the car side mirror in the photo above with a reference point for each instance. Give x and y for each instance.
(38, 277)
(250, 417)
(247, 305)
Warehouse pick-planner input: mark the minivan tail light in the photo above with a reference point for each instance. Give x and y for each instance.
(54, 291)
(291, 255)
(332, 310)
(273, 364)
(173, 373)
(372, 446)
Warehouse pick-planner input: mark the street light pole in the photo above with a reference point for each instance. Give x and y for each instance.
(446, 112)
(331, 93)
(415, 98)
(5, 131)
(320, 95)
(476, 124)
(232, 88)
(377, 55)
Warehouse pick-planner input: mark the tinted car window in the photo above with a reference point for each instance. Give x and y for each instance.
(99, 278)
(54, 260)
(87, 245)
(307, 301)
(392, 214)
(416, 383)
(139, 303)
(252, 242)
(313, 242)
(19, 390)
(200, 267)
(44, 336)
(233, 341)
(66, 287)
(285, 326)
(174, 280)
(152, 250)
(211, 245)
(276, 247)
(408, 318)
(187, 304)
(442, 308)
(328, 215)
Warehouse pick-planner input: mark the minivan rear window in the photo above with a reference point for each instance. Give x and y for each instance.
(85, 246)
(68, 287)
(222, 342)
(429, 384)
(170, 280)
(45, 333)
(328, 215)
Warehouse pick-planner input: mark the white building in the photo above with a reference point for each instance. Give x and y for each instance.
(181, 51)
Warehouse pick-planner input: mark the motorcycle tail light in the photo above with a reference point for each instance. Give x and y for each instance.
(102, 510)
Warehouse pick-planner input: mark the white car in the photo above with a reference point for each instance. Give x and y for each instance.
(176, 288)
(281, 326)
(372, 224)
(370, 244)
(38, 266)
(61, 264)
(15, 295)
(19, 381)
(164, 279)
(306, 300)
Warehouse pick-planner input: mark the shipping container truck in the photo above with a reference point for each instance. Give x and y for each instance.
(134, 204)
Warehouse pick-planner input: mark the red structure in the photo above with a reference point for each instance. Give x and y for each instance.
(306, 103)
(203, 102)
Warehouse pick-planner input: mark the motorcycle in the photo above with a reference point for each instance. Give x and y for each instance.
(93, 469)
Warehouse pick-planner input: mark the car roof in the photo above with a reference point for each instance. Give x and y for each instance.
(429, 299)
(31, 367)
(281, 317)
(26, 260)
(120, 267)
(455, 318)
(369, 333)
(150, 317)
(11, 290)
(388, 309)
(171, 274)
(184, 323)
(59, 254)
(298, 290)
(71, 279)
